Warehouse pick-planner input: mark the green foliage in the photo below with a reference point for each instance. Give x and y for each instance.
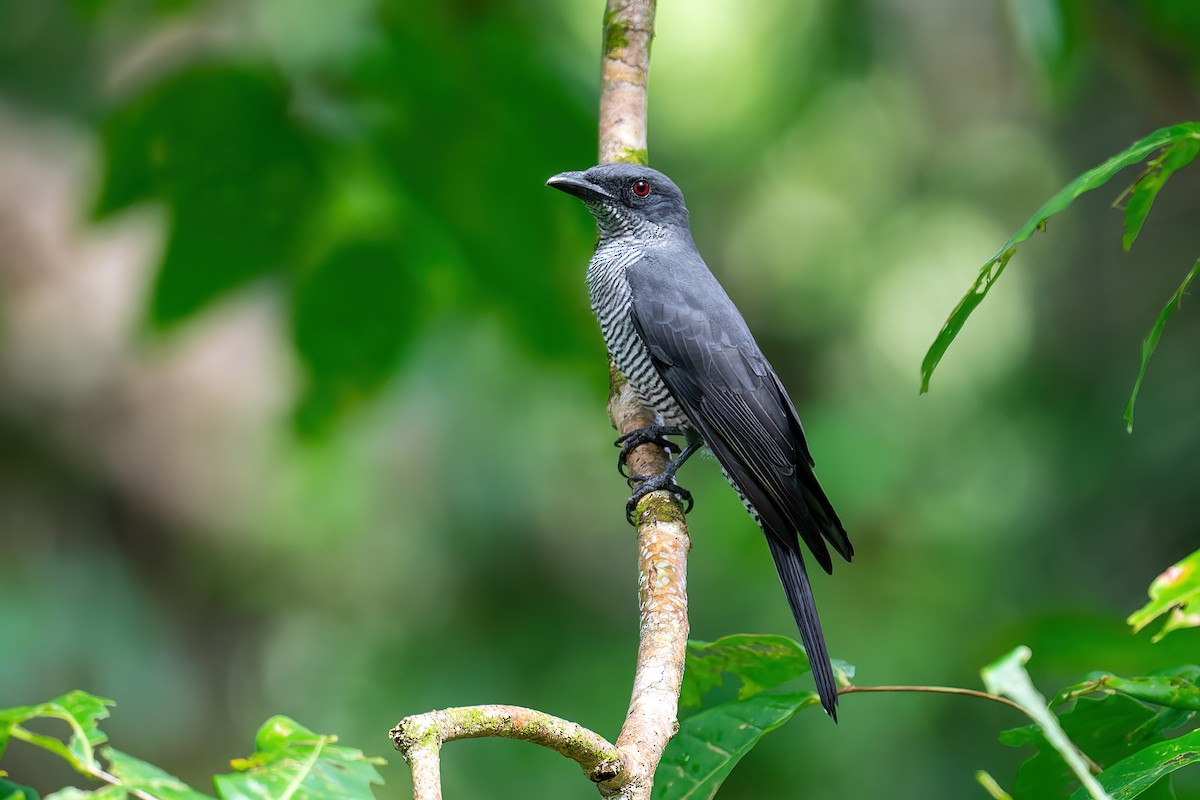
(81, 711)
(1134, 776)
(352, 317)
(1175, 592)
(15, 791)
(1126, 729)
(238, 173)
(253, 161)
(1150, 343)
(1007, 677)
(1179, 145)
(711, 742)
(289, 760)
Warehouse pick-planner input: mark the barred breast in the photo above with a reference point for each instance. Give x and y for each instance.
(612, 304)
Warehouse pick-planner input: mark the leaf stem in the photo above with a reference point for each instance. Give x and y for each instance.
(995, 698)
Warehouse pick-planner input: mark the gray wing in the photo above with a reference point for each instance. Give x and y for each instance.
(708, 359)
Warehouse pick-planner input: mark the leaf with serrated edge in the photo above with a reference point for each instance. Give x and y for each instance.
(994, 267)
(135, 774)
(293, 763)
(711, 743)
(80, 710)
(1132, 776)
(1007, 676)
(1178, 586)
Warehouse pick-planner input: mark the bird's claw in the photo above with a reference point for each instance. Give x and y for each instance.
(643, 485)
(651, 434)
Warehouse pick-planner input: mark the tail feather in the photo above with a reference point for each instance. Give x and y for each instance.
(794, 578)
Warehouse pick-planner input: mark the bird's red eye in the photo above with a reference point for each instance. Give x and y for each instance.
(641, 188)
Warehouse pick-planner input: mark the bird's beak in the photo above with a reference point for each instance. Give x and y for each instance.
(577, 184)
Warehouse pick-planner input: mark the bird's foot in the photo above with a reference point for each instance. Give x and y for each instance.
(651, 434)
(643, 485)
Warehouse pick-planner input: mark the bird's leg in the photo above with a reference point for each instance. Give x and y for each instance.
(643, 485)
(651, 434)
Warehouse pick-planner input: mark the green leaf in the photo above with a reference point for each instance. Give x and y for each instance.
(1007, 676)
(1132, 776)
(292, 762)
(990, 272)
(711, 743)
(1141, 196)
(984, 779)
(1178, 687)
(239, 177)
(136, 774)
(108, 792)
(760, 662)
(1107, 729)
(1177, 590)
(80, 710)
(352, 320)
(15, 791)
(1150, 343)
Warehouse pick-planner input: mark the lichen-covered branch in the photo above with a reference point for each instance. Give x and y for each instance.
(420, 737)
(662, 534)
(626, 770)
(625, 65)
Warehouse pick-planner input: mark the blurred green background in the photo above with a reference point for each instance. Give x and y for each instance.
(302, 405)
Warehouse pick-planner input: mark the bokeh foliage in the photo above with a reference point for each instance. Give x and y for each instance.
(366, 176)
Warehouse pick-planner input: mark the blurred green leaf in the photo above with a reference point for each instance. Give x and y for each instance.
(80, 710)
(353, 316)
(1107, 729)
(709, 744)
(1150, 343)
(15, 791)
(1141, 195)
(48, 60)
(991, 271)
(1007, 676)
(990, 786)
(1177, 590)
(1137, 773)
(239, 176)
(292, 761)
(136, 775)
(107, 792)
(1046, 34)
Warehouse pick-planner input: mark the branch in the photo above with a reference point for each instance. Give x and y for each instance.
(420, 738)
(995, 698)
(624, 771)
(662, 534)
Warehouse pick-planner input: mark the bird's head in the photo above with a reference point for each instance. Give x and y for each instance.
(627, 200)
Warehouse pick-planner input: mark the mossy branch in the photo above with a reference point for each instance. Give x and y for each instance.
(625, 770)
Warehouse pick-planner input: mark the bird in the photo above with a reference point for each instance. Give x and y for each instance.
(691, 360)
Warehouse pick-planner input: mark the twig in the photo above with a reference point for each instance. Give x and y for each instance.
(421, 736)
(995, 698)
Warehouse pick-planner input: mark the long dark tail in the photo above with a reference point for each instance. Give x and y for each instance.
(794, 578)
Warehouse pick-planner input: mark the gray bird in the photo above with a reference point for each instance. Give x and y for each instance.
(688, 355)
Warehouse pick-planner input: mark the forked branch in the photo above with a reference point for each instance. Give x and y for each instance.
(626, 770)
